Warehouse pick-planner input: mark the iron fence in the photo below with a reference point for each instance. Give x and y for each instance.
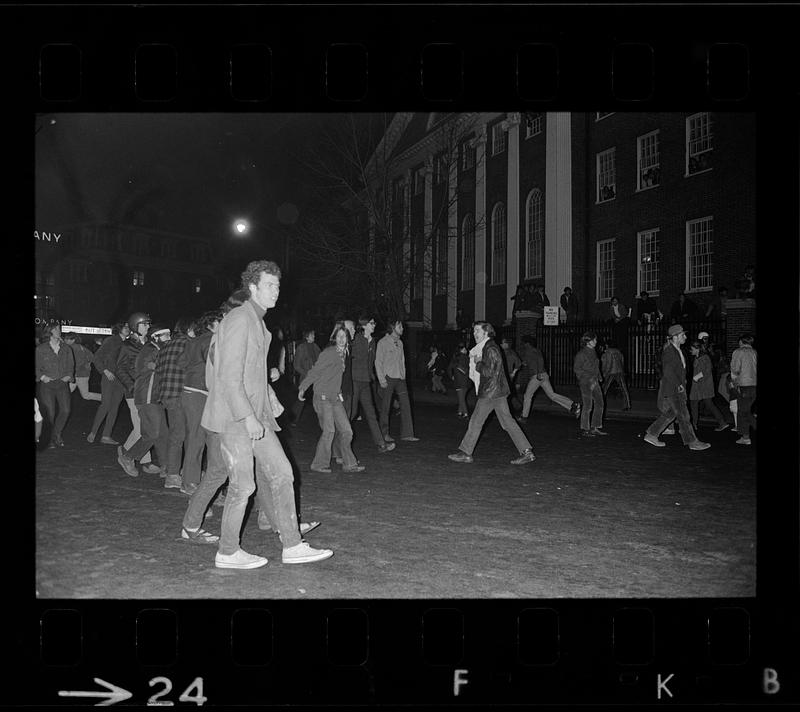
(641, 345)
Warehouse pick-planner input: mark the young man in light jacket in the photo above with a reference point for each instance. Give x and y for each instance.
(744, 367)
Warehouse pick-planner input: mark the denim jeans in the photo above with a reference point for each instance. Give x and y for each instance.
(362, 395)
(746, 401)
(52, 394)
(333, 421)
(336, 446)
(274, 474)
(192, 404)
(155, 433)
(136, 431)
(710, 406)
(396, 385)
(483, 409)
(672, 408)
(177, 434)
(111, 395)
(591, 395)
(82, 384)
(533, 385)
(620, 379)
(214, 477)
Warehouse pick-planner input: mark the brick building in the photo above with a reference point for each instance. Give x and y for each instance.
(97, 274)
(607, 203)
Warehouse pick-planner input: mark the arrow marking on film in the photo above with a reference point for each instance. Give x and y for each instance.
(114, 694)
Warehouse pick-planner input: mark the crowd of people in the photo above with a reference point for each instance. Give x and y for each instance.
(216, 389)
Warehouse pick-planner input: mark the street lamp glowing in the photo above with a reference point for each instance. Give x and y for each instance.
(240, 227)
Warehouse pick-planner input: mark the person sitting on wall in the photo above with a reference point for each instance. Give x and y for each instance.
(718, 306)
(683, 309)
(539, 301)
(646, 309)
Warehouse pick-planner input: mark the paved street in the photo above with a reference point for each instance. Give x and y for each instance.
(602, 517)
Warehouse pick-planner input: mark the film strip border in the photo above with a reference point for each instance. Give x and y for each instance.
(349, 58)
(383, 653)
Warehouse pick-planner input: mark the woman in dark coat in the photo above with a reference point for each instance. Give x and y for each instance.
(703, 387)
(458, 370)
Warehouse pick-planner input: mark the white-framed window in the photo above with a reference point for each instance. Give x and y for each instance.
(534, 234)
(78, 272)
(468, 253)
(441, 260)
(419, 180)
(607, 175)
(699, 254)
(499, 244)
(398, 187)
(138, 278)
(198, 284)
(606, 264)
(533, 124)
(699, 143)
(600, 115)
(648, 253)
(467, 155)
(498, 138)
(648, 174)
(439, 168)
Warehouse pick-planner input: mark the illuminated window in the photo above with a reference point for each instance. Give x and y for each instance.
(197, 285)
(648, 261)
(138, 278)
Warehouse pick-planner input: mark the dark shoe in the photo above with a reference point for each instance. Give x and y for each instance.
(90, 438)
(388, 438)
(108, 441)
(521, 419)
(588, 434)
(721, 427)
(386, 447)
(460, 456)
(126, 462)
(151, 469)
(526, 456)
(52, 445)
(598, 431)
(653, 440)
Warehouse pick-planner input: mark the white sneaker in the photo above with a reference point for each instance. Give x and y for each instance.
(302, 553)
(239, 560)
(670, 430)
(744, 441)
(653, 440)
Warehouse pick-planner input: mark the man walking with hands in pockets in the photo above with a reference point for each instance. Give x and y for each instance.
(239, 408)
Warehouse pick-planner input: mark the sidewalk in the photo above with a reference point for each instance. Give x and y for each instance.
(643, 402)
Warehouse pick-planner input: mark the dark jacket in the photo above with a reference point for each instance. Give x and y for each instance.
(145, 389)
(494, 383)
(193, 361)
(458, 370)
(325, 375)
(52, 365)
(106, 356)
(687, 312)
(534, 361)
(363, 359)
(673, 374)
(586, 365)
(125, 369)
(570, 305)
(305, 356)
(539, 302)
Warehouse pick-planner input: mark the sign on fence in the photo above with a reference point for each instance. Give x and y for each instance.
(551, 316)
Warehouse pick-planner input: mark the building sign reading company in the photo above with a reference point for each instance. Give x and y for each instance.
(46, 236)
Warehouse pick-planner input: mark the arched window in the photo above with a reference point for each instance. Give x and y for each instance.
(534, 234)
(468, 253)
(499, 244)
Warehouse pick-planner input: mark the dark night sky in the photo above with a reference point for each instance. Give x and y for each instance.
(186, 173)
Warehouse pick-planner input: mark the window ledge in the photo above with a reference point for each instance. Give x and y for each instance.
(698, 290)
(649, 187)
(697, 173)
(608, 200)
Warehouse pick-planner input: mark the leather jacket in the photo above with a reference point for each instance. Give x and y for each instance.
(494, 383)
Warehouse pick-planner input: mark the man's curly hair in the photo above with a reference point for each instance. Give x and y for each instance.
(252, 273)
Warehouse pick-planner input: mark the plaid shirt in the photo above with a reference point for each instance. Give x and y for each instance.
(169, 374)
